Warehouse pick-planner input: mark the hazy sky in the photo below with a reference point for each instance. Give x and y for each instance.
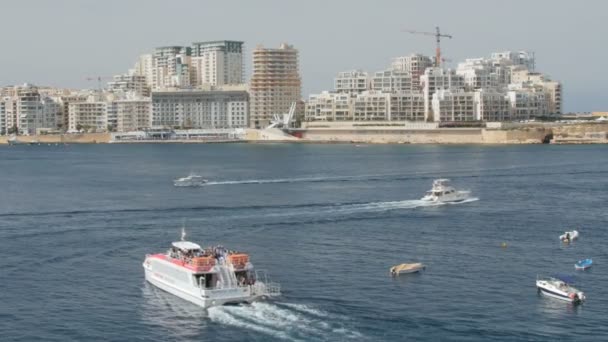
(62, 42)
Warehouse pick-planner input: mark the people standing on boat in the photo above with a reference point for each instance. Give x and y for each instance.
(567, 237)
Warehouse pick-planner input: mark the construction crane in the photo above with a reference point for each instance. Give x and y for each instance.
(98, 78)
(438, 35)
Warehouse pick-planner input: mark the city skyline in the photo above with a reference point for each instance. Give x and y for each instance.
(368, 40)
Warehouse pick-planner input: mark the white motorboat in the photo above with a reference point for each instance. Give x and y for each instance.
(569, 236)
(208, 277)
(191, 180)
(560, 288)
(442, 191)
(407, 268)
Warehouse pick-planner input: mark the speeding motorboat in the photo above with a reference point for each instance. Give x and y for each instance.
(407, 268)
(208, 277)
(191, 180)
(442, 191)
(583, 264)
(569, 236)
(559, 287)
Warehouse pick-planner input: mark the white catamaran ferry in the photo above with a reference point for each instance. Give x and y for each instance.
(208, 277)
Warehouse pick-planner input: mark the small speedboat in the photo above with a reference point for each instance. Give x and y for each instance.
(569, 236)
(191, 180)
(559, 287)
(442, 191)
(407, 268)
(583, 264)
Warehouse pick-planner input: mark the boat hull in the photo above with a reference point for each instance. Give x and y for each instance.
(241, 295)
(551, 291)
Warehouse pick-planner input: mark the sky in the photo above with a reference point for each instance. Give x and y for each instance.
(63, 42)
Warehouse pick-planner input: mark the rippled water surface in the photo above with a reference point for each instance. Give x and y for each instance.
(326, 221)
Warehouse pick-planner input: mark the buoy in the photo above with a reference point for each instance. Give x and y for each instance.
(503, 245)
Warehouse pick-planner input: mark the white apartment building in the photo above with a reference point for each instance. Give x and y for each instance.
(435, 79)
(478, 73)
(90, 115)
(171, 67)
(415, 64)
(329, 107)
(392, 80)
(29, 111)
(275, 83)
(523, 58)
(145, 67)
(3, 128)
(351, 82)
(217, 63)
(406, 106)
(372, 106)
(200, 109)
(527, 104)
(132, 114)
(131, 82)
(492, 105)
(453, 105)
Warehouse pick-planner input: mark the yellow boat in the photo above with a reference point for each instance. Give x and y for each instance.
(407, 268)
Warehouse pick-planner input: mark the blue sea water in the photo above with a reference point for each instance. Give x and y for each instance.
(326, 221)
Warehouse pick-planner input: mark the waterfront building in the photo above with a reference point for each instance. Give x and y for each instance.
(90, 115)
(435, 79)
(414, 64)
(29, 111)
(527, 103)
(372, 106)
(132, 114)
(329, 107)
(453, 105)
(491, 105)
(189, 108)
(406, 106)
(392, 81)
(3, 128)
(217, 63)
(130, 82)
(351, 82)
(275, 83)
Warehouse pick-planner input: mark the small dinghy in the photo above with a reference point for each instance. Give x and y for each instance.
(407, 268)
(583, 264)
(569, 236)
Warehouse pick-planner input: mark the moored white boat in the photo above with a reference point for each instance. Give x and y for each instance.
(559, 287)
(407, 268)
(208, 277)
(442, 191)
(191, 180)
(569, 236)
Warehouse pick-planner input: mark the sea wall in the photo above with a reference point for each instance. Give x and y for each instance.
(429, 136)
(84, 138)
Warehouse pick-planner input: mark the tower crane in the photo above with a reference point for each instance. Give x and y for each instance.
(438, 35)
(98, 79)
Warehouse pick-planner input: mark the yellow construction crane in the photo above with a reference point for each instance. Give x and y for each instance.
(438, 35)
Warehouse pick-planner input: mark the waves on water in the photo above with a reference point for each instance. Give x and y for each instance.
(285, 321)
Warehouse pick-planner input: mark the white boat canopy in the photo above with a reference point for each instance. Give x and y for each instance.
(186, 245)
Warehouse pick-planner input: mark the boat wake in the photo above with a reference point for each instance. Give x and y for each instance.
(285, 321)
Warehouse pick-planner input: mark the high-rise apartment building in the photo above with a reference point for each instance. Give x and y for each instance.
(414, 64)
(216, 63)
(129, 83)
(275, 83)
(171, 67)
